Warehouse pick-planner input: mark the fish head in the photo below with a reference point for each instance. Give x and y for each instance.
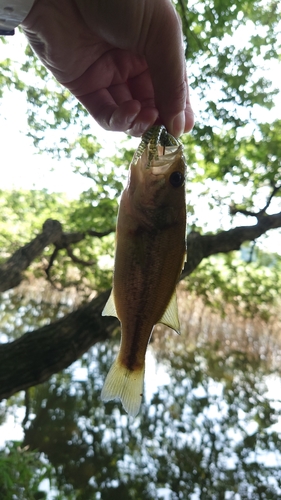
(157, 186)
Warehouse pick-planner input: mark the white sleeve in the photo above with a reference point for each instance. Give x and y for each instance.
(12, 13)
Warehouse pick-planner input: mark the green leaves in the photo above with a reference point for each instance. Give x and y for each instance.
(24, 212)
(247, 287)
(21, 472)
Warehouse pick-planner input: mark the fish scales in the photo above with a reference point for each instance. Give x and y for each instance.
(146, 290)
(149, 256)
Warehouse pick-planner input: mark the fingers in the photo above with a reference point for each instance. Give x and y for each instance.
(118, 100)
(108, 113)
(127, 116)
(143, 121)
(112, 112)
(165, 58)
(184, 121)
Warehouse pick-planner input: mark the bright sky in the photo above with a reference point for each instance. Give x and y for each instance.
(20, 166)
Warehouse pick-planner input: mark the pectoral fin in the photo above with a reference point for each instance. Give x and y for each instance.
(170, 317)
(109, 308)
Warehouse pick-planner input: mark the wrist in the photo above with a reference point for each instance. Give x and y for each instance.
(12, 13)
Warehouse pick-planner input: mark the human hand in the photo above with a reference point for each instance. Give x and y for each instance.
(123, 60)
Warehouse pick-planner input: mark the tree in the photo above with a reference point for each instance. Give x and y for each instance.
(54, 277)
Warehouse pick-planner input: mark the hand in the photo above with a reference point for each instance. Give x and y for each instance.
(122, 59)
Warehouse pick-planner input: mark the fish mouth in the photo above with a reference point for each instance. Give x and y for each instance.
(156, 155)
(162, 162)
(155, 141)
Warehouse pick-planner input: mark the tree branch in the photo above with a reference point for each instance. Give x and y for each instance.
(51, 261)
(33, 358)
(234, 209)
(270, 198)
(100, 234)
(52, 233)
(11, 271)
(77, 260)
(200, 246)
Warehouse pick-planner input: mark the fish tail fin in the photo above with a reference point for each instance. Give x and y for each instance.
(125, 384)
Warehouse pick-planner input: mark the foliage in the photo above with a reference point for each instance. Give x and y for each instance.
(247, 286)
(24, 212)
(21, 472)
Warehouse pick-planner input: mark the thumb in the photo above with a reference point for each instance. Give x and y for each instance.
(164, 54)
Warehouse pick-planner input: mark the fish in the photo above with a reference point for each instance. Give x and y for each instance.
(149, 256)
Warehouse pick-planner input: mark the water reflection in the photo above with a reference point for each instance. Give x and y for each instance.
(211, 430)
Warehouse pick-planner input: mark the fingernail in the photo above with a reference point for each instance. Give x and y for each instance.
(179, 124)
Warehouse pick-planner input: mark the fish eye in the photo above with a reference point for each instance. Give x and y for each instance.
(176, 179)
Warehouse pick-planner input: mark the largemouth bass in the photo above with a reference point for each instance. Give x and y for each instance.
(149, 256)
